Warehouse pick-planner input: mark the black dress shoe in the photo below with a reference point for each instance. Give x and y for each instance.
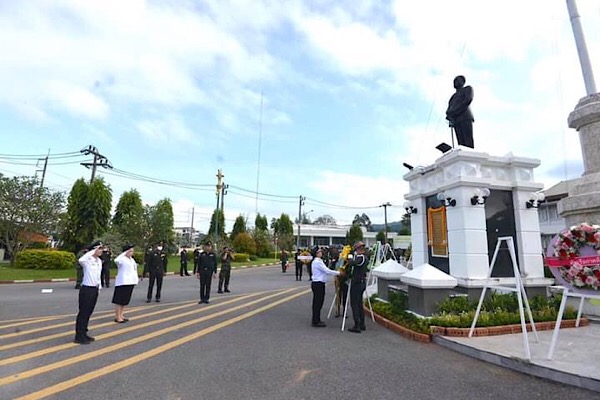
(363, 328)
(158, 300)
(91, 339)
(187, 274)
(81, 340)
(319, 324)
(206, 302)
(227, 291)
(354, 329)
(148, 300)
(219, 291)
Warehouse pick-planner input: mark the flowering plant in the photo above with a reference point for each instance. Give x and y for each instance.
(570, 242)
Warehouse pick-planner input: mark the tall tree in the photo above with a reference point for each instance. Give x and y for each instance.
(244, 243)
(380, 237)
(26, 209)
(239, 226)
(362, 220)
(161, 222)
(220, 227)
(88, 213)
(354, 234)
(261, 223)
(405, 229)
(128, 220)
(325, 220)
(263, 242)
(283, 229)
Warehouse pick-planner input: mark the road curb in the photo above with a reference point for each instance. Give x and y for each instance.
(58, 280)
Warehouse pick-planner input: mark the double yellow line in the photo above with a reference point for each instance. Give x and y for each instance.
(140, 357)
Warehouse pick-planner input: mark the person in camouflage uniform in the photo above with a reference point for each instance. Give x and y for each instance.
(225, 272)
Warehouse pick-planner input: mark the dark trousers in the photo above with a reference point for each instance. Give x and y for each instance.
(224, 278)
(88, 296)
(195, 267)
(205, 278)
(298, 271)
(318, 289)
(309, 271)
(283, 265)
(158, 277)
(105, 276)
(183, 269)
(357, 289)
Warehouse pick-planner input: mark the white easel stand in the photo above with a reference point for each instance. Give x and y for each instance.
(519, 289)
(566, 293)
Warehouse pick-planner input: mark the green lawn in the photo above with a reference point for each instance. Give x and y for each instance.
(9, 274)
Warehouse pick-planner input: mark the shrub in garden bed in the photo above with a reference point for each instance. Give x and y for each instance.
(458, 312)
(45, 259)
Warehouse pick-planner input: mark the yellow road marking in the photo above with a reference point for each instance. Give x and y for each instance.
(50, 367)
(62, 334)
(150, 353)
(26, 322)
(58, 348)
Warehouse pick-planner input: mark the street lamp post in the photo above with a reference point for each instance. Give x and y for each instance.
(385, 206)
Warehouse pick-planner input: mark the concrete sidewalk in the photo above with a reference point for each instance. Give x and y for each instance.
(576, 358)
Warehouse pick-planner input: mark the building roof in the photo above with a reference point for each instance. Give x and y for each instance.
(560, 190)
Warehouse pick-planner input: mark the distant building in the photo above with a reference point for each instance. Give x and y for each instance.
(324, 235)
(550, 222)
(187, 235)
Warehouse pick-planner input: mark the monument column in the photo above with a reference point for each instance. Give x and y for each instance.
(583, 204)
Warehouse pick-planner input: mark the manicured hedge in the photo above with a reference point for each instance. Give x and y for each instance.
(45, 259)
(241, 257)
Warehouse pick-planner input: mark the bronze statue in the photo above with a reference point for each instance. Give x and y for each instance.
(459, 114)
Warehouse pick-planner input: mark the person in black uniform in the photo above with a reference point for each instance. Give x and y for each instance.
(225, 272)
(183, 261)
(106, 258)
(358, 284)
(284, 260)
(298, 265)
(156, 267)
(207, 270)
(196, 256)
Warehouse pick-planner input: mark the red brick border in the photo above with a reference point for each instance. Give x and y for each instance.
(505, 329)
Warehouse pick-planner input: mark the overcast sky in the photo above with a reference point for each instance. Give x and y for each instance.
(324, 99)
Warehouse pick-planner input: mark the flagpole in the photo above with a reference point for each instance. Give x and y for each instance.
(584, 58)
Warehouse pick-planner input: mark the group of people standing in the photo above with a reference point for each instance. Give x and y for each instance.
(90, 266)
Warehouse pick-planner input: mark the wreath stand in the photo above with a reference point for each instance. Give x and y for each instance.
(566, 293)
(519, 289)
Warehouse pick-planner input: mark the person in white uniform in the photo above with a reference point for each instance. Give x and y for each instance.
(319, 278)
(88, 293)
(127, 278)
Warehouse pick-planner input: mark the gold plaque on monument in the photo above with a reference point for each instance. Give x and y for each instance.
(437, 231)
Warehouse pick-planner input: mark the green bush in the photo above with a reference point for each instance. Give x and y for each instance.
(253, 257)
(456, 305)
(240, 257)
(138, 256)
(45, 259)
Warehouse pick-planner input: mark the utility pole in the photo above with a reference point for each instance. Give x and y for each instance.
(300, 204)
(385, 206)
(44, 170)
(218, 192)
(584, 58)
(192, 227)
(223, 193)
(99, 160)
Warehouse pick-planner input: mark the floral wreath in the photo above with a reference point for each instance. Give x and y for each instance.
(305, 253)
(578, 273)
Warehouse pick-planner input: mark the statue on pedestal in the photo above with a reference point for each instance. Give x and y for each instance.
(459, 114)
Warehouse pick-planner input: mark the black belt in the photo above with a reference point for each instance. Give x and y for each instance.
(91, 287)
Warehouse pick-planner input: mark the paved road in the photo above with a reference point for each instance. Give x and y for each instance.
(255, 343)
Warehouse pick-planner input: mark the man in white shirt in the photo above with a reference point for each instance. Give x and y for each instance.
(88, 293)
(319, 277)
